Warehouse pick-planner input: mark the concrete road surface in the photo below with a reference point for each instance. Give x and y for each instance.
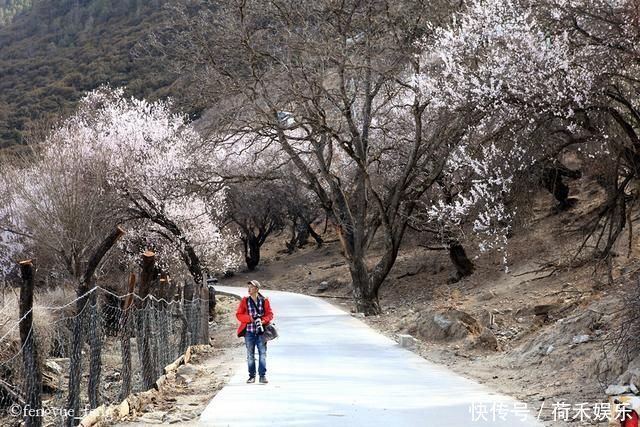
(330, 369)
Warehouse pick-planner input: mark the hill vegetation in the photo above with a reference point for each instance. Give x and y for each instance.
(9, 8)
(55, 50)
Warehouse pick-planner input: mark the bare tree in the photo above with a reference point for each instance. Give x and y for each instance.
(257, 209)
(303, 210)
(331, 84)
(606, 31)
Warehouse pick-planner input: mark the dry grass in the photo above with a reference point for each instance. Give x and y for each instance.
(49, 329)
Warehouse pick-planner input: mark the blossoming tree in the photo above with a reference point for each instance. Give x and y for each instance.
(151, 161)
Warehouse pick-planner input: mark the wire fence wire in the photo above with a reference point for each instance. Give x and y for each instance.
(123, 351)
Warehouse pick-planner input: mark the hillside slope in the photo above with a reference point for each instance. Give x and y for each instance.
(56, 50)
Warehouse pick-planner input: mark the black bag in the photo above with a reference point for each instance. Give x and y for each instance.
(270, 332)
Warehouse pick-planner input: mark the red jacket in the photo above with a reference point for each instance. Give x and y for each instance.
(243, 315)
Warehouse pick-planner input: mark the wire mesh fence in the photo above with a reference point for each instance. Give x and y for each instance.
(96, 349)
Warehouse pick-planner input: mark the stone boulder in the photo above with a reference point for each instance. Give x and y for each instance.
(450, 325)
(486, 341)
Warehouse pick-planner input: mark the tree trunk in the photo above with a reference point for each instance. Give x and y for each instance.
(315, 236)
(291, 244)
(95, 352)
(364, 294)
(181, 308)
(75, 362)
(464, 266)
(251, 252)
(552, 181)
(188, 254)
(146, 276)
(191, 308)
(164, 323)
(164, 315)
(154, 325)
(204, 313)
(303, 234)
(125, 343)
(185, 334)
(33, 387)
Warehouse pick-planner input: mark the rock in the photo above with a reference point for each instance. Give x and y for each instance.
(407, 341)
(486, 296)
(153, 417)
(549, 349)
(113, 377)
(579, 339)
(442, 321)
(614, 390)
(487, 340)
(486, 318)
(187, 370)
(545, 309)
(323, 286)
(53, 366)
(524, 311)
(634, 388)
(183, 379)
(123, 408)
(448, 325)
(51, 374)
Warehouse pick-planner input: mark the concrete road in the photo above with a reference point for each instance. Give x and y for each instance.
(330, 369)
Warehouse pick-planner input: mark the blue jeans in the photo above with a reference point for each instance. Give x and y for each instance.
(251, 340)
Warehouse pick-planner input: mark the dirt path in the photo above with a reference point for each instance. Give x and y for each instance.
(185, 394)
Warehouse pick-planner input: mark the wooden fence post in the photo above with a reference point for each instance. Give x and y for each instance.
(33, 375)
